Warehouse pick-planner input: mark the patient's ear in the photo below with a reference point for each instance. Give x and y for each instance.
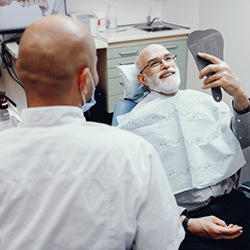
(141, 78)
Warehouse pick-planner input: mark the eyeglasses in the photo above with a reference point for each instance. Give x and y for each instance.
(157, 61)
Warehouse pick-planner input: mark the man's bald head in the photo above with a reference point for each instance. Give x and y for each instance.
(52, 52)
(147, 53)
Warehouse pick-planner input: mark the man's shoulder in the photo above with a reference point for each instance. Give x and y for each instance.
(124, 144)
(117, 135)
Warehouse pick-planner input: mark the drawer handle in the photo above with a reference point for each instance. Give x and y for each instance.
(172, 47)
(128, 53)
(121, 83)
(126, 63)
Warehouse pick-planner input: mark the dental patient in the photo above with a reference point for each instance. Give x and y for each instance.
(200, 145)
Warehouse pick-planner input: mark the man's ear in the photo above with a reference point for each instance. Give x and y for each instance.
(141, 78)
(83, 78)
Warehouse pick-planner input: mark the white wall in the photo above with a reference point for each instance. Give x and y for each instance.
(127, 12)
(231, 18)
(181, 12)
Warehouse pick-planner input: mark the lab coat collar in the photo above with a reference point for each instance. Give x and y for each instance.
(51, 116)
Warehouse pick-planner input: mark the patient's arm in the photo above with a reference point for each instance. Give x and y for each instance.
(224, 77)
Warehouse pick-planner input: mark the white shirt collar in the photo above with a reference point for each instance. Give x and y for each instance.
(51, 116)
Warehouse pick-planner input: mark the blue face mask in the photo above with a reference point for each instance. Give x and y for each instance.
(87, 105)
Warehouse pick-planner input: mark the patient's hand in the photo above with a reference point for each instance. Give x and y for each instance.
(213, 227)
(224, 77)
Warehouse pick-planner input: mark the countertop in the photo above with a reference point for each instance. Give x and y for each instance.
(129, 33)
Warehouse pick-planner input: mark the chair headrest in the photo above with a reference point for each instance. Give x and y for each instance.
(133, 89)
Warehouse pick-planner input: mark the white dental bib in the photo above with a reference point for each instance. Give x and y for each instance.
(191, 133)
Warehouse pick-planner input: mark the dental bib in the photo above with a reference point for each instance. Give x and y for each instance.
(192, 135)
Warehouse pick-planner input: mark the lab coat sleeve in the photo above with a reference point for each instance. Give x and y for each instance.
(159, 224)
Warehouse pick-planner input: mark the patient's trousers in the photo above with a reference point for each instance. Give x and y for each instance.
(233, 208)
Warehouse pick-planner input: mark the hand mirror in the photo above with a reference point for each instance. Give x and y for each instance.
(208, 41)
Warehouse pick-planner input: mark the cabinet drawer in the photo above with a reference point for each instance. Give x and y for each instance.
(175, 47)
(172, 47)
(112, 73)
(126, 51)
(112, 63)
(115, 86)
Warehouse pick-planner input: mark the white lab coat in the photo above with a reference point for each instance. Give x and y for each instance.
(70, 184)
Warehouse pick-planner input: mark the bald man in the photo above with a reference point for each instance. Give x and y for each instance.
(70, 184)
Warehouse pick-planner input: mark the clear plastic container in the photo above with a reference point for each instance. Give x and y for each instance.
(111, 18)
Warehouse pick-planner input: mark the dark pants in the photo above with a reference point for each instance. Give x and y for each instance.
(233, 208)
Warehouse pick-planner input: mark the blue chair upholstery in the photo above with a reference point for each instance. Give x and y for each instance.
(123, 106)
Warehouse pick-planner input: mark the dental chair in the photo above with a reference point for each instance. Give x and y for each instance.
(134, 91)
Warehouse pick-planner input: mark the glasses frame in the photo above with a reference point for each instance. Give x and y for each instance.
(160, 61)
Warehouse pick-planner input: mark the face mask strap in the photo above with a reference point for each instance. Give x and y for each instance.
(83, 97)
(93, 86)
(92, 80)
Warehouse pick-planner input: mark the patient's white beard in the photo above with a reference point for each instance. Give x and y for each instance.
(169, 85)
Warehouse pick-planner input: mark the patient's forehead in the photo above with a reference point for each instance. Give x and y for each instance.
(153, 51)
